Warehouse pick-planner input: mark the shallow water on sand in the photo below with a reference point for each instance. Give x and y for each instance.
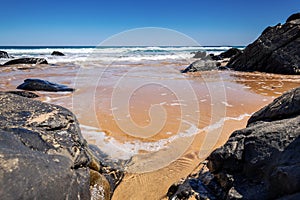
(162, 122)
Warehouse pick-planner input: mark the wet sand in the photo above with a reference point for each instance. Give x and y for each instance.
(163, 122)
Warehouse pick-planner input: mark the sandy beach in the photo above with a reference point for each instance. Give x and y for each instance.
(178, 119)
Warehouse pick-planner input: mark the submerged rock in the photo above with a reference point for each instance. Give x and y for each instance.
(275, 51)
(42, 85)
(200, 65)
(57, 53)
(4, 54)
(259, 162)
(27, 61)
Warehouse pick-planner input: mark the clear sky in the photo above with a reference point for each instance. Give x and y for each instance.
(88, 22)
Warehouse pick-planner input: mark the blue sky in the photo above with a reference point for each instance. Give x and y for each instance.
(78, 22)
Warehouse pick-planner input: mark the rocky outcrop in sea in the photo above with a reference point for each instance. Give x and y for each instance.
(4, 54)
(259, 162)
(209, 62)
(57, 53)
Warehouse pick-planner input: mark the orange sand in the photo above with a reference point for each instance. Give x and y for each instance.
(147, 105)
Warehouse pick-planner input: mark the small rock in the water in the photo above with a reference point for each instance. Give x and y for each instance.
(4, 54)
(27, 61)
(57, 53)
(42, 85)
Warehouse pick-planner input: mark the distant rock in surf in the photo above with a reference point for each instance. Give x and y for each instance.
(42, 85)
(201, 54)
(4, 54)
(27, 61)
(277, 50)
(57, 53)
(208, 62)
(259, 162)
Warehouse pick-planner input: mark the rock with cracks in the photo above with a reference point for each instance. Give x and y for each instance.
(43, 154)
(277, 50)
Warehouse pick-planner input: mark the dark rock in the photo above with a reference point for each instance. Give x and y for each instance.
(113, 171)
(215, 57)
(24, 94)
(230, 53)
(293, 17)
(4, 54)
(222, 67)
(57, 53)
(202, 55)
(285, 106)
(42, 85)
(277, 50)
(259, 162)
(227, 54)
(27, 61)
(43, 154)
(201, 65)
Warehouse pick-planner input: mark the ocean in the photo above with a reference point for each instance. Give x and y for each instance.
(105, 54)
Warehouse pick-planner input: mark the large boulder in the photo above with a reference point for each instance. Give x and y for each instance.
(277, 50)
(57, 53)
(201, 65)
(259, 162)
(42, 85)
(27, 61)
(4, 54)
(43, 154)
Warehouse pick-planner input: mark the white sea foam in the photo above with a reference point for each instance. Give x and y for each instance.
(117, 150)
(227, 104)
(112, 54)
